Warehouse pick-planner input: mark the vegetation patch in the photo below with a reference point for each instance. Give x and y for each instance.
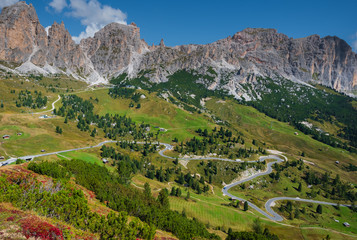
(291, 102)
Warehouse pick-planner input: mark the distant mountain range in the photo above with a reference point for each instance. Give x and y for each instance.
(26, 47)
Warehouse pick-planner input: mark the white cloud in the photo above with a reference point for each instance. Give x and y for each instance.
(92, 11)
(89, 32)
(58, 5)
(5, 3)
(92, 14)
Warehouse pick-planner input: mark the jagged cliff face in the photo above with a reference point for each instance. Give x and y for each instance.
(329, 61)
(22, 36)
(118, 48)
(24, 41)
(114, 47)
(62, 51)
(263, 52)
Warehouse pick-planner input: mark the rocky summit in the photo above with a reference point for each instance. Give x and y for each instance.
(28, 48)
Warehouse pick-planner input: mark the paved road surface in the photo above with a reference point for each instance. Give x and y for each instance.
(30, 157)
(269, 213)
(268, 171)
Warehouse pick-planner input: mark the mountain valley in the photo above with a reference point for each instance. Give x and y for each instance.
(249, 137)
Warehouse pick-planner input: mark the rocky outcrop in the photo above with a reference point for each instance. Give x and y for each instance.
(263, 52)
(114, 48)
(329, 60)
(162, 44)
(24, 41)
(22, 36)
(118, 48)
(62, 51)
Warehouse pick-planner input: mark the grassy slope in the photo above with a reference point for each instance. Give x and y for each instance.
(39, 134)
(94, 204)
(18, 85)
(211, 209)
(45, 85)
(155, 111)
(327, 218)
(280, 136)
(265, 188)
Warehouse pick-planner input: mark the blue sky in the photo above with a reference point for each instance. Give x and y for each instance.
(200, 22)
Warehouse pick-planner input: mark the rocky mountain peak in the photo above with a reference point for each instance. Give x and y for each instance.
(162, 44)
(62, 50)
(24, 41)
(120, 30)
(263, 35)
(114, 47)
(22, 35)
(19, 10)
(118, 48)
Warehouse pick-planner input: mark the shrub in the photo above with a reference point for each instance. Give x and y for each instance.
(34, 227)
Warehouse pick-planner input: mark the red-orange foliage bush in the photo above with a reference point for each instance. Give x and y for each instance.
(35, 227)
(10, 219)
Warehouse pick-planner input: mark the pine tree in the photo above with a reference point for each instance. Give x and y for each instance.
(300, 187)
(319, 209)
(178, 192)
(277, 176)
(147, 191)
(181, 179)
(173, 191)
(163, 198)
(94, 132)
(257, 226)
(58, 130)
(188, 195)
(246, 206)
(183, 212)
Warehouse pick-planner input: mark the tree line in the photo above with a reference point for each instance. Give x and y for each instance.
(58, 199)
(129, 93)
(114, 126)
(221, 142)
(25, 99)
(308, 103)
(121, 197)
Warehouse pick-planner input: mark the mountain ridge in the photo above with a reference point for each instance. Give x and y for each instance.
(118, 49)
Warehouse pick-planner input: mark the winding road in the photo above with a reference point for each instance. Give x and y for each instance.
(53, 107)
(269, 213)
